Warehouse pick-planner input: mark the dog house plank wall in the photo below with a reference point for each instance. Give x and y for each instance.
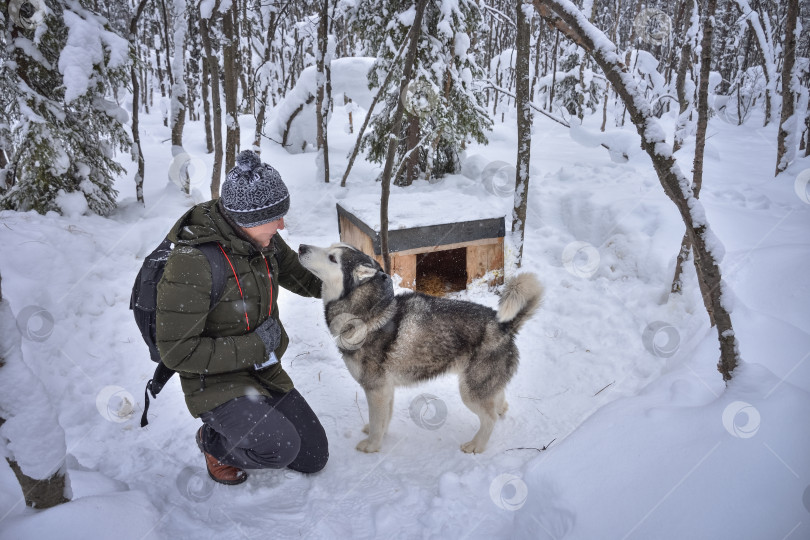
(482, 240)
(483, 258)
(404, 266)
(352, 235)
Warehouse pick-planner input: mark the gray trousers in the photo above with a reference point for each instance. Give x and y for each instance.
(257, 432)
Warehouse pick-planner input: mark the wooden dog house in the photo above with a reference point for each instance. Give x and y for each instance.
(456, 252)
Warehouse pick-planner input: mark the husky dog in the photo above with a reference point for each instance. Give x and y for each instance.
(388, 341)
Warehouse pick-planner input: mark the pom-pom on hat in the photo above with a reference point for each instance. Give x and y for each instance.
(253, 192)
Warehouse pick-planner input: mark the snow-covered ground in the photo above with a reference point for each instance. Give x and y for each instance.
(617, 380)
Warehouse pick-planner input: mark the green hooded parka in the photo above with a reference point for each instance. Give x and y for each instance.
(214, 350)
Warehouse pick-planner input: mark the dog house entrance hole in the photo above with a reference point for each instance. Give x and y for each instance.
(442, 271)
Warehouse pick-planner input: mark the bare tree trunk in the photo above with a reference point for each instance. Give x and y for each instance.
(164, 34)
(553, 71)
(179, 90)
(285, 135)
(569, 20)
(321, 96)
(495, 98)
(676, 41)
(133, 73)
(604, 107)
(146, 71)
(703, 97)
(412, 159)
(191, 72)
(788, 125)
(242, 58)
(631, 43)
(582, 61)
(166, 42)
(393, 137)
(680, 261)
(607, 85)
(700, 147)
(231, 74)
(537, 44)
(346, 101)
(213, 70)
(160, 75)
(524, 128)
(490, 55)
(807, 132)
(680, 87)
(39, 494)
(209, 136)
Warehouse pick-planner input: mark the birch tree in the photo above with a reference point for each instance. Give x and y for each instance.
(789, 130)
(524, 125)
(684, 86)
(137, 150)
(177, 118)
(231, 82)
(323, 95)
(708, 250)
(208, 14)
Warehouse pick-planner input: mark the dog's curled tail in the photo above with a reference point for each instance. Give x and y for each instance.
(521, 297)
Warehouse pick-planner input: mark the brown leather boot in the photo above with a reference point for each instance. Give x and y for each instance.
(219, 472)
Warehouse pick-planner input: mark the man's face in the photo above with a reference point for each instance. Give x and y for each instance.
(262, 234)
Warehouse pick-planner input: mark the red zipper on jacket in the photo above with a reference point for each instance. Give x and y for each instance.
(237, 283)
(241, 294)
(270, 281)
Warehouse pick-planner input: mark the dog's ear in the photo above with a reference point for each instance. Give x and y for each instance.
(364, 272)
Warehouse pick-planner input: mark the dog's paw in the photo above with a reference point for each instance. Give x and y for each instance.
(472, 447)
(365, 429)
(367, 446)
(503, 408)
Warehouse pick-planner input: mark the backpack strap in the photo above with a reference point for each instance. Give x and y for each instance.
(155, 385)
(216, 260)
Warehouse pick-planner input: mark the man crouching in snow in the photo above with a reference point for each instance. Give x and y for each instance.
(228, 356)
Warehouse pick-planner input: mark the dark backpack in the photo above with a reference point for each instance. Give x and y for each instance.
(143, 304)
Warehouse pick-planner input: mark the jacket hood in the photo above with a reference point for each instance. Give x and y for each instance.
(206, 222)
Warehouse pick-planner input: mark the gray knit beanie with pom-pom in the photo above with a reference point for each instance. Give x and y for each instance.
(253, 192)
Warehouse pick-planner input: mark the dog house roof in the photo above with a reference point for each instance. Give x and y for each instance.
(403, 239)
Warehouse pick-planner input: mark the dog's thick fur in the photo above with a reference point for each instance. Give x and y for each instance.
(388, 341)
